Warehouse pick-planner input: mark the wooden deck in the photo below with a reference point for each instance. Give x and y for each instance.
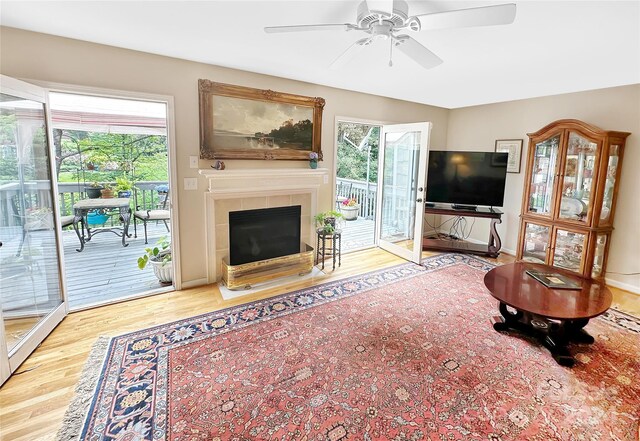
(103, 272)
(357, 234)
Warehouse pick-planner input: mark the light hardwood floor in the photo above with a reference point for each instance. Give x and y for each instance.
(33, 401)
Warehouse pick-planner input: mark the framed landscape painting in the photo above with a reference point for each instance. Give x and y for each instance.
(244, 123)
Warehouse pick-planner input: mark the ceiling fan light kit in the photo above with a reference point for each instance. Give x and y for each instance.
(383, 19)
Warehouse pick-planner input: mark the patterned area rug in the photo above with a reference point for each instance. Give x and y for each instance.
(405, 353)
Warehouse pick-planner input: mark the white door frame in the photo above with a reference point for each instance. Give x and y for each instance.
(172, 155)
(414, 255)
(11, 360)
(334, 179)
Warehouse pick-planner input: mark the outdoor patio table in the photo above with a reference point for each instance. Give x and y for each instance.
(81, 208)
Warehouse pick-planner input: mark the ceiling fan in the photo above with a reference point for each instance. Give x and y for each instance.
(385, 19)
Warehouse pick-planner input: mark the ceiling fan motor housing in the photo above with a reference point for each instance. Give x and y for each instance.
(397, 19)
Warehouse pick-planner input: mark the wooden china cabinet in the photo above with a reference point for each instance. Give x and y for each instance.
(571, 186)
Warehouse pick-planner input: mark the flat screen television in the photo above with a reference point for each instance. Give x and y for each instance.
(466, 178)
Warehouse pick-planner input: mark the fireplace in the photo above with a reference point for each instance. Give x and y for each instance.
(253, 189)
(263, 234)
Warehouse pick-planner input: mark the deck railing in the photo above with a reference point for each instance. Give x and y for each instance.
(397, 199)
(363, 194)
(37, 194)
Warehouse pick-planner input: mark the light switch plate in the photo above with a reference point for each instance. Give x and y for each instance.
(193, 162)
(190, 183)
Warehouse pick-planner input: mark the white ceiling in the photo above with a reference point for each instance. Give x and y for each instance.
(552, 47)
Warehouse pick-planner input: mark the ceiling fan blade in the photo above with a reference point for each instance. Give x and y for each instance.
(417, 52)
(383, 7)
(350, 53)
(305, 28)
(462, 18)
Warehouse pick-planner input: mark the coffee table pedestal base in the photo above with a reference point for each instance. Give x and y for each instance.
(555, 335)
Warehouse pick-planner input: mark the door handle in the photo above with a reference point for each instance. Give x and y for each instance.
(420, 189)
(418, 200)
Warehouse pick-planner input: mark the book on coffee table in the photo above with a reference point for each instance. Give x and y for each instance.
(554, 280)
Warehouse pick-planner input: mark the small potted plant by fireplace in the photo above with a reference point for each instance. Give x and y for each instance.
(159, 256)
(326, 222)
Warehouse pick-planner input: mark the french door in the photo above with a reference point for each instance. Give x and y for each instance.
(32, 294)
(403, 162)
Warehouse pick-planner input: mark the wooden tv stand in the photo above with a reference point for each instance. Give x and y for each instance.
(492, 249)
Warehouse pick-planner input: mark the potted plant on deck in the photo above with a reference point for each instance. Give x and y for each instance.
(350, 208)
(107, 192)
(124, 187)
(94, 190)
(159, 256)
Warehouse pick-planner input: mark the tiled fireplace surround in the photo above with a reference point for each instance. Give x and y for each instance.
(235, 190)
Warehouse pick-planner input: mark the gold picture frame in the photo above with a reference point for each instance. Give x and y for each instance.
(239, 122)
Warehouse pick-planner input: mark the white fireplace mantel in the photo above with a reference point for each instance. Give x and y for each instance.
(240, 189)
(235, 182)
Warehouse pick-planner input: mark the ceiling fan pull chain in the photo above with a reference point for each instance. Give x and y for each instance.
(391, 52)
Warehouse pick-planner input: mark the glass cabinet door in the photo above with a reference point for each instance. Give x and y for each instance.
(580, 166)
(536, 242)
(609, 184)
(543, 175)
(568, 249)
(598, 258)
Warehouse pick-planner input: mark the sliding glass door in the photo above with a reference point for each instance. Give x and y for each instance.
(403, 160)
(32, 298)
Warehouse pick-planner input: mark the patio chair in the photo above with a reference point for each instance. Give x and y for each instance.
(343, 192)
(34, 223)
(159, 214)
(66, 221)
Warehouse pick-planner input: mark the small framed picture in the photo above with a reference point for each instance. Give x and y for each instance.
(514, 148)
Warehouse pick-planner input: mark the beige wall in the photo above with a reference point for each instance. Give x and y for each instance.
(477, 128)
(29, 55)
(36, 56)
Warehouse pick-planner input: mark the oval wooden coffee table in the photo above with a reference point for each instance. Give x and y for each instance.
(555, 317)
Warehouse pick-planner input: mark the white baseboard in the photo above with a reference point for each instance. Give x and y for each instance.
(194, 283)
(626, 286)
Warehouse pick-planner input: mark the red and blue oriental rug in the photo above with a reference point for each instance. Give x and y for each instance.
(404, 353)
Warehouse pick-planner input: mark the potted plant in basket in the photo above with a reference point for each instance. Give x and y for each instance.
(349, 208)
(159, 256)
(326, 222)
(94, 190)
(124, 187)
(107, 192)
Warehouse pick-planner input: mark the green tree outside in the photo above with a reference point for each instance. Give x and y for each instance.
(103, 157)
(355, 142)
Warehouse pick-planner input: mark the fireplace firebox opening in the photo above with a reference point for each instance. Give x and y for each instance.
(262, 234)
